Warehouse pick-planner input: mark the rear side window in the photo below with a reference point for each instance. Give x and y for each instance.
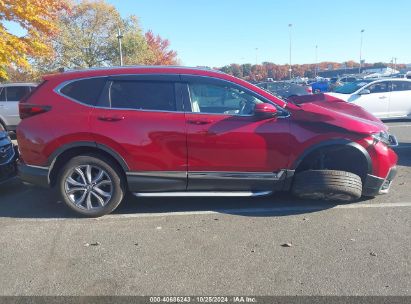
(401, 85)
(16, 93)
(85, 90)
(2, 94)
(142, 95)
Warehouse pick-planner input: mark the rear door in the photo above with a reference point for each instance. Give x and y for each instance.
(400, 100)
(378, 101)
(141, 118)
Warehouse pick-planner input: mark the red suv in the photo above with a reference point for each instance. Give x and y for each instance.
(169, 131)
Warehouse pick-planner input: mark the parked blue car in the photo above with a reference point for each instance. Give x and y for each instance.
(321, 86)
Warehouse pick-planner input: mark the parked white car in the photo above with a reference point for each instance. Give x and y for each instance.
(384, 98)
(10, 94)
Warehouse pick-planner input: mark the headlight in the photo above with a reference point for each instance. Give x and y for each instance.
(385, 138)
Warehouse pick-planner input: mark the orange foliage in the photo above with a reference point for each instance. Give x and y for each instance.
(38, 18)
(159, 48)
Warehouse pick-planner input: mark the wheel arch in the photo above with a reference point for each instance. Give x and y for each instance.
(65, 152)
(327, 147)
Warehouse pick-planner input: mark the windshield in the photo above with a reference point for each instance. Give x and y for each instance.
(351, 87)
(272, 92)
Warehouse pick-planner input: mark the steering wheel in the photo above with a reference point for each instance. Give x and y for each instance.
(246, 107)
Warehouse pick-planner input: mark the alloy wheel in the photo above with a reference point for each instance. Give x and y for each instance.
(88, 187)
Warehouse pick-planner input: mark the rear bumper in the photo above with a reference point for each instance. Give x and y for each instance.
(375, 185)
(38, 176)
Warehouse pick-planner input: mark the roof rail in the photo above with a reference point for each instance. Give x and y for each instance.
(201, 68)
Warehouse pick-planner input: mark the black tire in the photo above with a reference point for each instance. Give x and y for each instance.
(329, 185)
(113, 174)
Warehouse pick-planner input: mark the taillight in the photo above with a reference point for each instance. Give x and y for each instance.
(28, 110)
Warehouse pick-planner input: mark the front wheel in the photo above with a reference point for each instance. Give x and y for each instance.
(91, 185)
(329, 185)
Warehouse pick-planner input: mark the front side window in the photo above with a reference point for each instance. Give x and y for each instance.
(379, 87)
(219, 99)
(351, 87)
(142, 95)
(16, 93)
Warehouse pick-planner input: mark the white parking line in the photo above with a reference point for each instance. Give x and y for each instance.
(242, 211)
(398, 126)
(264, 210)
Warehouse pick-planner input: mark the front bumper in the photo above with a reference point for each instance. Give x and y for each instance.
(375, 185)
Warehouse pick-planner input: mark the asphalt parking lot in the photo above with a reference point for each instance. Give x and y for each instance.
(274, 245)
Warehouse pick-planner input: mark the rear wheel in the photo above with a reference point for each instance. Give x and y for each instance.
(330, 185)
(91, 185)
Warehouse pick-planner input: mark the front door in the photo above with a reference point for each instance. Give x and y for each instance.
(140, 118)
(378, 101)
(228, 147)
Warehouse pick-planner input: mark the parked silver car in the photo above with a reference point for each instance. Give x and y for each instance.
(10, 95)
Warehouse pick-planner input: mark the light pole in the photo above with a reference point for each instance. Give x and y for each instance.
(359, 69)
(316, 61)
(119, 37)
(256, 56)
(289, 30)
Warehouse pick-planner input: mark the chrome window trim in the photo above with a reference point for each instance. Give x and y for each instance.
(246, 90)
(58, 88)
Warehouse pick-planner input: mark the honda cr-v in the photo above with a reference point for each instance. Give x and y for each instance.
(169, 131)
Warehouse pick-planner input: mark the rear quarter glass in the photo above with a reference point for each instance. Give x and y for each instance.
(86, 91)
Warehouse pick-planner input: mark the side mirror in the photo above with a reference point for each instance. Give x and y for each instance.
(364, 92)
(265, 110)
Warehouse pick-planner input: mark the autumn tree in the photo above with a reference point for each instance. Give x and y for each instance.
(135, 47)
(281, 72)
(89, 38)
(38, 20)
(159, 47)
(87, 35)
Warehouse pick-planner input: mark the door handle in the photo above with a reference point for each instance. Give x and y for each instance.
(382, 97)
(110, 118)
(199, 122)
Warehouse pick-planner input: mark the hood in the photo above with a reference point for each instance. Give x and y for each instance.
(338, 113)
